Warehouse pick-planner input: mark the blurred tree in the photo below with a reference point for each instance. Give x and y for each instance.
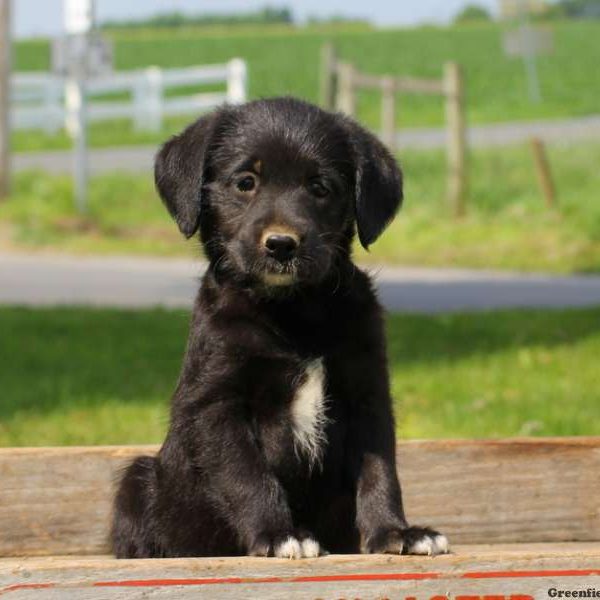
(337, 19)
(471, 13)
(265, 15)
(576, 9)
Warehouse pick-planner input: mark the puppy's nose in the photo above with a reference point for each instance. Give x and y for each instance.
(281, 246)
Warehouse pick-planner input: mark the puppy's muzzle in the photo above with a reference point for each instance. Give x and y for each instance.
(282, 246)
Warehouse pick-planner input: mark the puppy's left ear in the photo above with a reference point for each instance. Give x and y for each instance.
(378, 193)
(179, 171)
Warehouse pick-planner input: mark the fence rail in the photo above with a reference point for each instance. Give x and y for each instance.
(41, 100)
(341, 81)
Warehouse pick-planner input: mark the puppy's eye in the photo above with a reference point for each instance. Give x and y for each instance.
(316, 188)
(246, 184)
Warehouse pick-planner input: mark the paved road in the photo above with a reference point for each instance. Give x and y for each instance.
(42, 280)
(140, 158)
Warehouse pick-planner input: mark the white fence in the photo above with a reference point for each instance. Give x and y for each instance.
(41, 100)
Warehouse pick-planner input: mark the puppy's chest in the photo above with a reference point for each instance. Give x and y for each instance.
(296, 429)
(308, 411)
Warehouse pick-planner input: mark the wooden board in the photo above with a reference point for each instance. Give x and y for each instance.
(520, 572)
(57, 500)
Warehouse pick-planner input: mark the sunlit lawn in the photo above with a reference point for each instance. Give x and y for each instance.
(78, 376)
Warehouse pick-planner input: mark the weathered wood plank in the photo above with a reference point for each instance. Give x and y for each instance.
(527, 490)
(476, 571)
(57, 500)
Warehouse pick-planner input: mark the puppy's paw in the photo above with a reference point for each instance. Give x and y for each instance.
(287, 546)
(386, 541)
(412, 540)
(311, 548)
(422, 540)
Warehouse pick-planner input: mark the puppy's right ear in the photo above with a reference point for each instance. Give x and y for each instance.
(179, 170)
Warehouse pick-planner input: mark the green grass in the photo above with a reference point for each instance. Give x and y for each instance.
(507, 225)
(78, 376)
(284, 60)
(124, 216)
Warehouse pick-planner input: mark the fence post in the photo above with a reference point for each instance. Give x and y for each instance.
(76, 123)
(346, 95)
(148, 100)
(237, 81)
(544, 174)
(72, 103)
(4, 98)
(388, 112)
(457, 138)
(53, 104)
(328, 76)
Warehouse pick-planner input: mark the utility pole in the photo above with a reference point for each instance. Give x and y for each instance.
(79, 20)
(526, 41)
(529, 55)
(4, 98)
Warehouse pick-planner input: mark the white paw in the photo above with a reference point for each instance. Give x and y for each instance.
(429, 546)
(310, 548)
(442, 546)
(290, 548)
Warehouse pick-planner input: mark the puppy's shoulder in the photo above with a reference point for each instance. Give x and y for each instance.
(361, 293)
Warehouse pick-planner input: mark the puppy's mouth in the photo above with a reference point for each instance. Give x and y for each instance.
(273, 275)
(279, 274)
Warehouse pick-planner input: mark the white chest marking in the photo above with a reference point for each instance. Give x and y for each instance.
(308, 412)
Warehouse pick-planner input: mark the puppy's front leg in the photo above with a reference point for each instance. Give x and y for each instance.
(240, 484)
(379, 512)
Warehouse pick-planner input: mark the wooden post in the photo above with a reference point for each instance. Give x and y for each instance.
(346, 96)
(388, 112)
(543, 172)
(328, 76)
(457, 138)
(4, 98)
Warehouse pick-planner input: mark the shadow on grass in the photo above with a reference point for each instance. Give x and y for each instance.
(77, 358)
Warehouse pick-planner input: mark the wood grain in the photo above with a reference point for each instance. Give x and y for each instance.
(57, 500)
(476, 570)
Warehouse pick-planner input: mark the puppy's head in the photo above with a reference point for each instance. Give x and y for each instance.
(277, 188)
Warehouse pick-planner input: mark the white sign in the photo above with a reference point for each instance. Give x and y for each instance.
(79, 16)
(528, 41)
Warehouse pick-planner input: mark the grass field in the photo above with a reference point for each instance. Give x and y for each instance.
(284, 60)
(507, 225)
(76, 376)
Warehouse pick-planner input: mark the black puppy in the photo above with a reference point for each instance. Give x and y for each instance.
(281, 440)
